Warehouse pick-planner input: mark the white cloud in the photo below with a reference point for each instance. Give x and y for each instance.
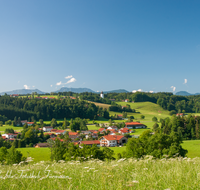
(185, 81)
(58, 83)
(97, 91)
(173, 88)
(26, 86)
(139, 90)
(71, 80)
(151, 91)
(68, 77)
(51, 85)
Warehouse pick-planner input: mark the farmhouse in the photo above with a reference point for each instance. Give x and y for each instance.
(90, 143)
(101, 130)
(119, 116)
(47, 128)
(41, 145)
(60, 132)
(30, 123)
(10, 135)
(124, 131)
(135, 125)
(72, 133)
(126, 100)
(23, 122)
(112, 140)
(180, 114)
(14, 95)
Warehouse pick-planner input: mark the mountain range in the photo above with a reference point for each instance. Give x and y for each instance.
(81, 90)
(63, 89)
(184, 93)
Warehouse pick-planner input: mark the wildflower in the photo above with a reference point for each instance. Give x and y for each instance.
(145, 169)
(95, 170)
(135, 181)
(86, 167)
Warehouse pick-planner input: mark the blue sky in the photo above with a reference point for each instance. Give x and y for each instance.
(100, 44)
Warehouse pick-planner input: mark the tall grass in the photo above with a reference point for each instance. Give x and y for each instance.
(147, 173)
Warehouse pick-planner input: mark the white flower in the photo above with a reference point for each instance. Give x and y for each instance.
(135, 181)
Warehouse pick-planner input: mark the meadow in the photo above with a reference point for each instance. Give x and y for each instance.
(43, 154)
(141, 174)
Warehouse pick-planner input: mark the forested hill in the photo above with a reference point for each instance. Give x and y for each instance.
(167, 101)
(26, 108)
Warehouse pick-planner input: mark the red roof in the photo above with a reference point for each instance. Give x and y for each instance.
(53, 130)
(113, 137)
(120, 115)
(134, 123)
(73, 133)
(3, 137)
(124, 130)
(60, 131)
(30, 122)
(101, 129)
(90, 142)
(57, 138)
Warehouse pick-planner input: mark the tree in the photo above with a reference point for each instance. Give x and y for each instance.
(197, 129)
(155, 127)
(124, 114)
(142, 116)
(53, 123)
(41, 122)
(154, 119)
(9, 130)
(14, 156)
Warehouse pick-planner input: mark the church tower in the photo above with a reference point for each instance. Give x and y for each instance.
(102, 95)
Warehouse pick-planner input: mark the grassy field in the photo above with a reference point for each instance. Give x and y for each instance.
(38, 154)
(172, 174)
(4, 127)
(43, 154)
(101, 105)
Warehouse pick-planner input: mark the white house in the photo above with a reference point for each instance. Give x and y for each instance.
(47, 128)
(112, 140)
(10, 135)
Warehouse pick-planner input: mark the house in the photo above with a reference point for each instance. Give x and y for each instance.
(180, 114)
(85, 132)
(72, 133)
(53, 130)
(124, 107)
(23, 122)
(14, 95)
(101, 130)
(112, 140)
(47, 128)
(42, 145)
(90, 143)
(119, 116)
(93, 135)
(30, 123)
(113, 127)
(57, 138)
(74, 137)
(73, 98)
(123, 131)
(9, 135)
(126, 100)
(60, 132)
(135, 125)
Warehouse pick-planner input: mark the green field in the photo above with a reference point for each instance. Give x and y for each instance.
(43, 154)
(2, 129)
(38, 154)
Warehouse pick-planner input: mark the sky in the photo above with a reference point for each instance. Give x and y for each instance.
(100, 44)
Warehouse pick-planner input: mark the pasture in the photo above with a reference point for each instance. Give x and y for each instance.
(43, 154)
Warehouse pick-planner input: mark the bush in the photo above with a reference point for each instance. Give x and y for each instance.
(154, 119)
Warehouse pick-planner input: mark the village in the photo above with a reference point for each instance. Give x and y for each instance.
(106, 136)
